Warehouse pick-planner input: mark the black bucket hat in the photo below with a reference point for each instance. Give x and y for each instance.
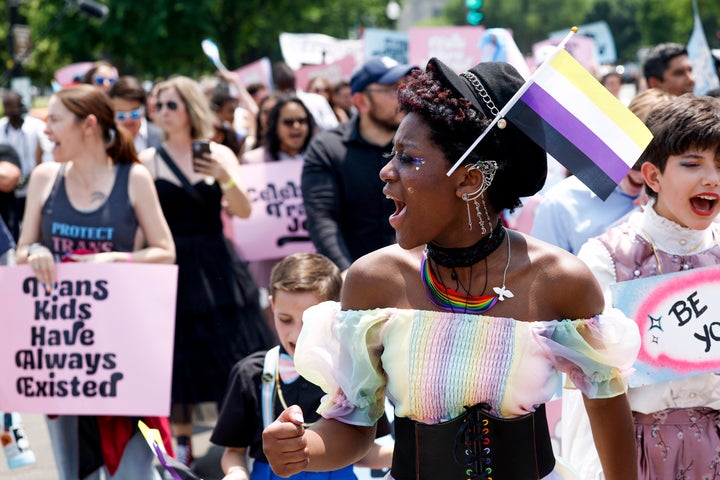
(488, 86)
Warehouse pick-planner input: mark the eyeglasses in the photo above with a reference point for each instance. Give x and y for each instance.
(289, 122)
(100, 80)
(170, 104)
(130, 114)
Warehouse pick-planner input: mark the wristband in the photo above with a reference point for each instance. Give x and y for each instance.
(227, 185)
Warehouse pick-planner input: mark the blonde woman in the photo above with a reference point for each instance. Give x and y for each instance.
(218, 316)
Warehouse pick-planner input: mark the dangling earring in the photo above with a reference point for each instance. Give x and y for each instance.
(467, 202)
(487, 215)
(488, 169)
(481, 222)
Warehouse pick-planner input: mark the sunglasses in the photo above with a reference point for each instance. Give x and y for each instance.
(171, 105)
(130, 114)
(289, 122)
(99, 80)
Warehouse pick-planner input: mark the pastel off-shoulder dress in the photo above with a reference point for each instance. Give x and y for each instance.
(433, 364)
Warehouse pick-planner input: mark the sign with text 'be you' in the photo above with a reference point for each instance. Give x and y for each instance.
(679, 319)
(100, 342)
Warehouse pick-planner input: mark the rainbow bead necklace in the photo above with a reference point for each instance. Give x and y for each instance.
(454, 301)
(449, 299)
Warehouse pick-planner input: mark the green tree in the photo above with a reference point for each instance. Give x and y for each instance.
(621, 19)
(634, 23)
(530, 20)
(142, 38)
(157, 38)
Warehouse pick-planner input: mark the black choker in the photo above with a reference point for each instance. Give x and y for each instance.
(467, 256)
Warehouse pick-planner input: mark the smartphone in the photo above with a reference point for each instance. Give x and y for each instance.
(200, 147)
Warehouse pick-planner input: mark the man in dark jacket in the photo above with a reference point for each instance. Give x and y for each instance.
(342, 191)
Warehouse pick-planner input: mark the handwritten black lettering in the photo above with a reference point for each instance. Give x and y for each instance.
(684, 310)
(709, 333)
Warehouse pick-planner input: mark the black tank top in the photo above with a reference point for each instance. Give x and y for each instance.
(109, 228)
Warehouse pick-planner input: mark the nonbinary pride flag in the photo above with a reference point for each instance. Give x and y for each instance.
(580, 123)
(575, 119)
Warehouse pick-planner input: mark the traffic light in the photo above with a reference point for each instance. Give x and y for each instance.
(474, 16)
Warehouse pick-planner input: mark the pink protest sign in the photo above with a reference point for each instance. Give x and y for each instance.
(277, 225)
(259, 71)
(71, 74)
(333, 72)
(100, 343)
(457, 47)
(678, 315)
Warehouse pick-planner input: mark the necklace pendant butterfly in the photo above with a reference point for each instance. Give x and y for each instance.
(503, 293)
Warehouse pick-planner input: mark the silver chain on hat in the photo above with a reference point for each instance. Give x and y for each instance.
(484, 96)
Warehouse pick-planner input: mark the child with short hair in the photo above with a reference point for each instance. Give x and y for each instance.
(676, 422)
(263, 384)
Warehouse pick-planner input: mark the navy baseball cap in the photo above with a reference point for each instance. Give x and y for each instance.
(383, 70)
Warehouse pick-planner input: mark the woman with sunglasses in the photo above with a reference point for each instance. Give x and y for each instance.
(95, 183)
(290, 126)
(218, 316)
(101, 74)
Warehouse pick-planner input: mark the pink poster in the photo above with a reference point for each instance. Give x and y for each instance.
(99, 343)
(277, 225)
(259, 71)
(334, 72)
(457, 47)
(72, 74)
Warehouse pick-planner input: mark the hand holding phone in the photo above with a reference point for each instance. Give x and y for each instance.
(200, 148)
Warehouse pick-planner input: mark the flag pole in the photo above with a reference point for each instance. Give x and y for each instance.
(513, 100)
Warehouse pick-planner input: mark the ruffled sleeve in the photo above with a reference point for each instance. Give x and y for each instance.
(597, 354)
(340, 352)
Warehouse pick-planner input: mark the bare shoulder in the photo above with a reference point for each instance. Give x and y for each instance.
(563, 280)
(379, 279)
(147, 156)
(42, 178)
(140, 176)
(45, 171)
(139, 171)
(41, 182)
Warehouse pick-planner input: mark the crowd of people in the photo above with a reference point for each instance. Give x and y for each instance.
(422, 293)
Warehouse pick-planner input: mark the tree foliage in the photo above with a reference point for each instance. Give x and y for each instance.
(634, 23)
(157, 38)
